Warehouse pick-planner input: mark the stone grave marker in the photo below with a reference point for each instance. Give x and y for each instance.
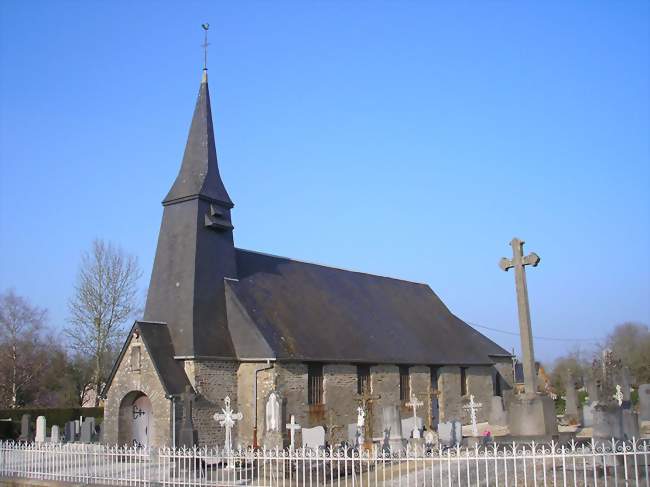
(54, 435)
(293, 427)
(392, 426)
(273, 422)
(644, 402)
(86, 434)
(41, 429)
(187, 436)
(410, 424)
(572, 408)
(450, 433)
(588, 415)
(69, 432)
(26, 428)
(313, 438)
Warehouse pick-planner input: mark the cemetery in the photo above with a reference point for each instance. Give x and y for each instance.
(243, 367)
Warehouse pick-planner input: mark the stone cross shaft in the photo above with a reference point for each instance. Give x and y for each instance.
(518, 261)
(187, 397)
(293, 427)
(227, 418)
(415, 403)
(472, 407)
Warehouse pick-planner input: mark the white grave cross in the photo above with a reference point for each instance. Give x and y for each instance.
(472, 407)
(415, 403)
(619, 395)
(293, 427)
(227, 418)
(361, 417)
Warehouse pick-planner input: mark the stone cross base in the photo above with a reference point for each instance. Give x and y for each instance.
(273, 440)
(532, 416)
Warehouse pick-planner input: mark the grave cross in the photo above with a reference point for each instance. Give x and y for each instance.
(227, 418)
(619, 395)
(518, 261)
(293, 427)
(472, 407)
(366, 400)
(415, 403)
(331, 427)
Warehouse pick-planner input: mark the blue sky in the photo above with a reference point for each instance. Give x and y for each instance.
(410, 139)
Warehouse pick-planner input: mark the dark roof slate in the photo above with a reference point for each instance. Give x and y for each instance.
(310, 312)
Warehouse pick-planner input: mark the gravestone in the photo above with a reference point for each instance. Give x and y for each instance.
(450, 433)
(313, 438)
(497, 415)
(392, 426)
(588, 415)
(54, 435)
(26, 428)
(77, 426)
(644, 402)
(69, 431)
(187, 436)
(572, 413)
(273, 434)
(87, 430)
(410, 424)
(41, 429)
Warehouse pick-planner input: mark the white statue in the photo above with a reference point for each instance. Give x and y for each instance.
(273, 413)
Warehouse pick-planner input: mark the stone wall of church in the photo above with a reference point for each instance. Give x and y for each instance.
(213, 380)
(340, 395)
(128, 383)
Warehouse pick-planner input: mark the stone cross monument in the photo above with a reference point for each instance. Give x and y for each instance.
(227, 418)
(518, 261)
(292, 427)
(472, 407)
(529, 414)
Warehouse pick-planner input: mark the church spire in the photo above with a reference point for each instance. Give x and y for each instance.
(199, 173)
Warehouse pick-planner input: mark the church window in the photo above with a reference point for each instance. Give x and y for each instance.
(463, 381)
(135, 359)
(363, 379)
(315, 383)
(497, 384)
(404, 384)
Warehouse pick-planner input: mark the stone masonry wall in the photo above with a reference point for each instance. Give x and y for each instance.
(213, 380)
(479, 383)
(125, 388)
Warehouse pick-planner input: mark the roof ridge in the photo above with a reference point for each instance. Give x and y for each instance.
(333, 267)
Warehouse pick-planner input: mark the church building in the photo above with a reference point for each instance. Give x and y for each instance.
(223, 321)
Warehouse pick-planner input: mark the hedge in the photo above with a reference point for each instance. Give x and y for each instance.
(53, 416)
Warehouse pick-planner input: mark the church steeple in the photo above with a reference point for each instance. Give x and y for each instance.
(199, 173)
(195, 251)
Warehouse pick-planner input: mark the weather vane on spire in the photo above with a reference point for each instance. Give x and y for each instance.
(205, 46)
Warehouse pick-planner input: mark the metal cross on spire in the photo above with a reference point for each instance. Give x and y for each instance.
(205, 46)
(518, 261)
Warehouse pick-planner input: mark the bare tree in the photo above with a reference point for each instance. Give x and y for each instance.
(105, 298)
(630, 342)
(22, 357)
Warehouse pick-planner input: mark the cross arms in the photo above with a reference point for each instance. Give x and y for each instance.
(518, 256)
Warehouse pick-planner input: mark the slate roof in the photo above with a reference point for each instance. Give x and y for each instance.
(311, 312)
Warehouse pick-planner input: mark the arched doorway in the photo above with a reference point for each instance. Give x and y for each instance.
(136, 420)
